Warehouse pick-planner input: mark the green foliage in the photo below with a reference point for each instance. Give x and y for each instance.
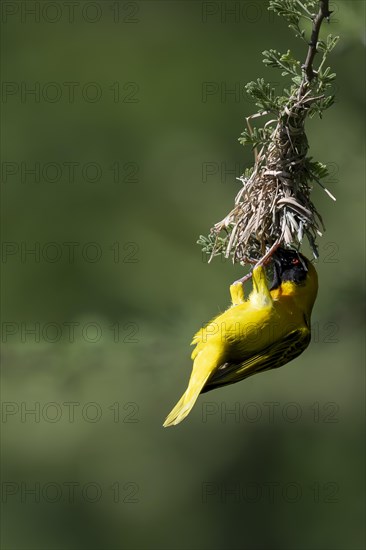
(256, 137)
(321, 85)
(286, 62)
(210, 245)
(293, 11)
(316, 169)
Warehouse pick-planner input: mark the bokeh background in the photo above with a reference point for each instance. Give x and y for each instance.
(124, 153)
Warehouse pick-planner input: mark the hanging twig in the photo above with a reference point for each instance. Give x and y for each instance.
(323, 13)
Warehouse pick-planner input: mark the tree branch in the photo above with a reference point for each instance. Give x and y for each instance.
(323, 13)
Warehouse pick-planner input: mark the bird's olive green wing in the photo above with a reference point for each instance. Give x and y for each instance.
(277, 354)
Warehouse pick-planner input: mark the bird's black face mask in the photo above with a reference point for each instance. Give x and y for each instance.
(288, 265)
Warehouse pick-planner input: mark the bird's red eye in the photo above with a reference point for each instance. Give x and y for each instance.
(295, 261)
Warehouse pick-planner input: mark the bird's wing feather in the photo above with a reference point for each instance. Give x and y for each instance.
(277, 354)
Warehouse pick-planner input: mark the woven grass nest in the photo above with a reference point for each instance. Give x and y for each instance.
(274, 207)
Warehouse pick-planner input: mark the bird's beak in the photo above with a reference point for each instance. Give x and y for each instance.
(277, 272)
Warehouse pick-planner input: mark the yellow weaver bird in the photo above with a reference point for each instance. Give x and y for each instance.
(266, 331)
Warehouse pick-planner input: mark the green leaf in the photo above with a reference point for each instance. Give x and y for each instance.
(263, 94)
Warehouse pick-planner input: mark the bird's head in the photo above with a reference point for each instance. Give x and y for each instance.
(294, 274)
(289, 265)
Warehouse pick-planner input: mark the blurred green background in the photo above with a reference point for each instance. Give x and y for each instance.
(131, 132)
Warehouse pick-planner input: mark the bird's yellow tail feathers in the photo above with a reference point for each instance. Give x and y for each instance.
(185, 404)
